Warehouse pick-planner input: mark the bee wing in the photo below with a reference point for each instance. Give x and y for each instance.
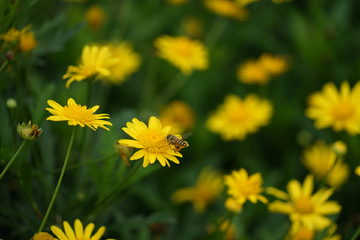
(185, 136)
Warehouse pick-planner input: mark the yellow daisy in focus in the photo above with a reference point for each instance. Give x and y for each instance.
(151, 140)
(253, 72)
(242, 187)
(357, 171)
(179, 116)
(76, 114)
(129, 62)
(227, 8)
(274, 65)
(236, 118)
(95, 17)
(303, 208)
(95, 63)
(208, 186)
(80, 233)
(182, 52)
(42, 236)
(337, 109)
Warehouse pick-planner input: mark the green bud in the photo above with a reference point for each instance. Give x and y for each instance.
(11, 103)
(28, 132)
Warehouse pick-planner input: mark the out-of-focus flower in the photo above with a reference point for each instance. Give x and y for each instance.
(192, 26)
(29, 132)
(151, 140)
(208, 186)
(76, 114)
(95, 17)
(236, 118)
(80, 233)
(274, 65)
(27, 42)
(128, 62)
(280, 1)
(320, 160)
(96, 62)
(176, 1)
(225, 225)
(42, 236)
(340, 148)
(304, 233)
(357, 171)
(232, 205)
(227, 8)
(303, 208)
(253, 72)
(242, 187)
(339, 110)
(178, 115)
(182, 52)
(13, 34)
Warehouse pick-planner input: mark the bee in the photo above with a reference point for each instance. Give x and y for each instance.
(176, 142)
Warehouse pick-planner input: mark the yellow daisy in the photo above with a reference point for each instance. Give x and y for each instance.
(242, 187)
(151, 140)
(179, 116)
(27, 42)
(95, 62)
(232, 205)
(182, 52)
(236, 117)
(227, 8)
(129, 62)
(303, 208)
(42, 236)
(76, 114)
(208, 186)
(80, 233)
(253, 72)
(337, 109)
(13, 34)
(274, 65)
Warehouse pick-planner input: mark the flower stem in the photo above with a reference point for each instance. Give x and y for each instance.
(59, 181)
(4, 65)
(13, 159)
(117, 189)
(356, 234)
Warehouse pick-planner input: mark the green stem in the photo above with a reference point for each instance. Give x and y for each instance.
(356, 234)
(13, 158)
(117, 189)
(215, 32)
(59, 181)
(4, 65)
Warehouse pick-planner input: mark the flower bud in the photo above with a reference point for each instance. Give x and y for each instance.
(10, 55)
(11, 103)
(28, 132)
(123, 152)
(340, 148)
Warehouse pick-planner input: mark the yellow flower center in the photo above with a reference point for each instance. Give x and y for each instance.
(42, 236)
(343, 110)
(182, 47)
(304, 205)
(79, 113)
(239, 115)
(89, 70)
(153, 141)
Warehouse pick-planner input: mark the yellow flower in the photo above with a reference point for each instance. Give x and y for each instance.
(76, 114)
(236, 117)
(227, 8)
(341, 110)
(242, 187)
(129, 62)
(80, 233)
(225, 225)
(253, 72)
(179, 116)
(27, 42)
(357, 171)
(340, 148)
(302, 207)
(151, 140)
(95, 62)
(304, 233)
(42, 236)
(192, 26)
(95, 17)
(274, 65)
(13, 34)
(208, 186)
(232, 205)
(182, 52)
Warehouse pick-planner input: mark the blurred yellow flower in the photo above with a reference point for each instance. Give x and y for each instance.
(245, 2)
(339, 110)
(208, 186)
(304, 233)
(129, 62)
(95, 17)
(76, 114)
(225, 225)
(253, 72)
(242, 187)
(303, 208)
(232, 205)
(42, 236)
(340, 148)
(357, 171)
(227, 8)
(274, 65)
(236, 118)
(179, 116)
(182, 52)
(80, 233)
(151, 140)
(13, 34)
(95, 62)
(27, 42)
(192, 26)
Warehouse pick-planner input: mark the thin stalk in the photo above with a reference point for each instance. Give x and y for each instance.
(356, 234)
(4, 65)
(117, 189)
(59, 181)
(13, 158)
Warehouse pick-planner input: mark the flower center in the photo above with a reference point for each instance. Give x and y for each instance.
(239, 115)
(183, 48)
(343, 110)
(304, 205)
(79, 113)
(153, 141)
